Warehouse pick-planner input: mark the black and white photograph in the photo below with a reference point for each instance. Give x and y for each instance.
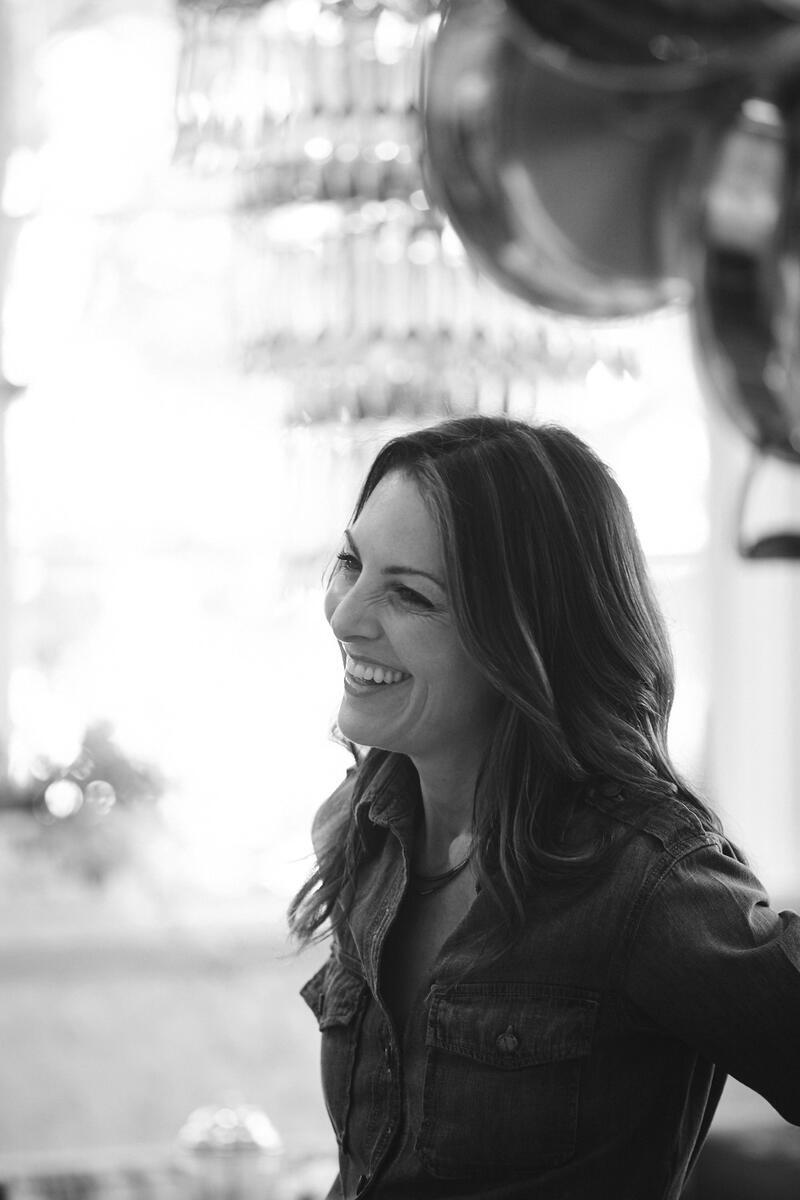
(399, 599)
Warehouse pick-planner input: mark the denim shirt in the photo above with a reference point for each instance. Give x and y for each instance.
(588, 1059)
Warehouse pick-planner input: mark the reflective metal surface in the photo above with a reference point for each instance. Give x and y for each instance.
(747, 281)
(606, 190)
(576, 196)
(661, 42)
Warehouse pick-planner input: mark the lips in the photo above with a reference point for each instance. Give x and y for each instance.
(376, 674)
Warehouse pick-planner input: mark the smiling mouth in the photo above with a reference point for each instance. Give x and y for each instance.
(370, 675)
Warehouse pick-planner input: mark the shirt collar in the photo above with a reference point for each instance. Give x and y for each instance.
(392, 798)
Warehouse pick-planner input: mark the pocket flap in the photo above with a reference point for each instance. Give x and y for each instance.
(512, 1025)
(333, 994)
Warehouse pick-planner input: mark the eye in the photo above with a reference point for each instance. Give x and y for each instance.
(347, 561)
(412, 598)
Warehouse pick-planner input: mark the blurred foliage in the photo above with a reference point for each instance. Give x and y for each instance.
(86, 816)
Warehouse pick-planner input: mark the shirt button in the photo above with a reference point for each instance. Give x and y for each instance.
(508, 1041)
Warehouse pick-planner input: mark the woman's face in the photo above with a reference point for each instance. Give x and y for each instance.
(408, 684)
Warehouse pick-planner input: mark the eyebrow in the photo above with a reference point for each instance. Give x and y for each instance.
(397, 569)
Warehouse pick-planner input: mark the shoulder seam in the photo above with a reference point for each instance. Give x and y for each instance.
(687, 824)
(672, 856)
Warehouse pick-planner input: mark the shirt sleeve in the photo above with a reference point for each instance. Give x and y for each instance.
(713, 965)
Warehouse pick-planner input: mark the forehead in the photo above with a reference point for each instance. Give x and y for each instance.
(396, 523)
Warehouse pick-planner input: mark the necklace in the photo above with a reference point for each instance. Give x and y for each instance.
(432, 883)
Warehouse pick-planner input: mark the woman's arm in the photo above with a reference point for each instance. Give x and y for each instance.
(712, 964)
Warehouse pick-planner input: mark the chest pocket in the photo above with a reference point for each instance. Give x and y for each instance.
(337, 998)
(502, 1079)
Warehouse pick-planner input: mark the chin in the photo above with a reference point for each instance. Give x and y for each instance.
(361, 735)
(355, 730)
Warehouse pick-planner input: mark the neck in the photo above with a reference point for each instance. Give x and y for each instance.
(445, 835)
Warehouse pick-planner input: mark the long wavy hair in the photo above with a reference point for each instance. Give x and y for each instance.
(551, 597)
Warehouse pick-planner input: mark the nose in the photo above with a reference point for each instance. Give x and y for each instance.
(349, 614)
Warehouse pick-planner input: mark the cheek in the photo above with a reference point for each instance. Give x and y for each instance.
(477, 694)
(333, 595)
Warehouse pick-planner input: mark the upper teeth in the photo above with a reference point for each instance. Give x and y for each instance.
(370, 674)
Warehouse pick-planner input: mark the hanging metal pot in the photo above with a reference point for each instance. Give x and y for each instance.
(606, 159)
(658, 43)
(575, 190)
(745, 273)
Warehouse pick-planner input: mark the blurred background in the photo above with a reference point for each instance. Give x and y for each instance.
(241, 245)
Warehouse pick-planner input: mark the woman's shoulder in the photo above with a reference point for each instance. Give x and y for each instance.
(663, 847)
(670, 822)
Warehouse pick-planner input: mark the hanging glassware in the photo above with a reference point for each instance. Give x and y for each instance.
(347, 284)
(302, 99)
(373, 308)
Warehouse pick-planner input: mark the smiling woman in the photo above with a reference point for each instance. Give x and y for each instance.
(531, 910)
(432, 702)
